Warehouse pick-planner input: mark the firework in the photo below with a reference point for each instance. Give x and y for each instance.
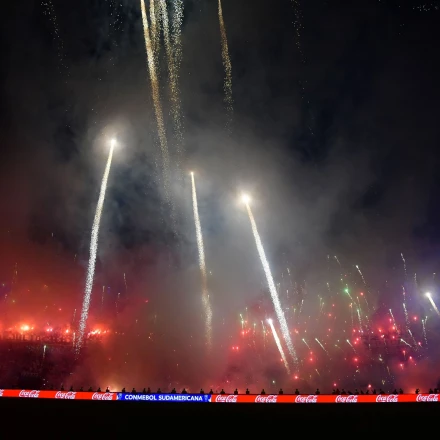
(278, 343)
(173, 80)
(155, 28)
(429, 296)
(205, 295)
(93, 252)
(227, 66)
(157, 104)
(273, 292)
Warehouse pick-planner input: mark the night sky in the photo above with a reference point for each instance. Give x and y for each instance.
(335, 136)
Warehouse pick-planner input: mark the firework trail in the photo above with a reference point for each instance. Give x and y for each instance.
(278, 342)
(228, 67)
(336, 258)
(305, 342)
(404, 264)
(319, 342)
(157, 104)
(174, 80)
(424, 330)
(125, 282)
(102, 298)
(93, 252)
(360, 273)
(176, 28)
(205, 295)
(428, 295)
(271, 284)
(155, 28)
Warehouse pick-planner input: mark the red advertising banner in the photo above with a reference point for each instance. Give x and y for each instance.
(324, 398)
(69, 395)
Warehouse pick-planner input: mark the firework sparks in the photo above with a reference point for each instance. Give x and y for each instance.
(173, 80)
(360, 273)
(157, 104)
(155, 28)
(227, 65)
(270, 282)
(93, 252)
(205, 295)
(278, 343)
(320, 344)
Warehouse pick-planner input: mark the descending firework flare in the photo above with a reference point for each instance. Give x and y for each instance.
(201, 249)
(272, 289)
(434, 306)
(93, 253)
(173, 79)
(227, 65)
(279, 346)
(157, 104)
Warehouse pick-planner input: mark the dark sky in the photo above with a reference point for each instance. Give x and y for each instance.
(335, 135)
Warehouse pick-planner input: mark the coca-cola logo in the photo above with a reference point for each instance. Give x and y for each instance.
(230, 398)
(102, 396)
(347, 399)
(271, 398)
(65, 395)
(390, 398)
(1, 393)
(427, 398)
(33, 393)
(306, 399)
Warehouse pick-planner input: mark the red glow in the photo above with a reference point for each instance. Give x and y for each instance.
(362, 294)
(311, 359)
(295, 377)
(369, 385)
(330, 315)
(415, 318)
(355, 359)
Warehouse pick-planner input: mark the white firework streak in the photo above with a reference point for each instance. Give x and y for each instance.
(93, 253)
(278, 343)
(227, 66)
(174, 80)
(176, 27)
(157, 104)
(273, 292)
(155, 28)
(202, 265)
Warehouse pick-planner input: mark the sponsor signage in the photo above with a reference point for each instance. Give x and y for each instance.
(223, 398)
(202, 398)
(324, 398)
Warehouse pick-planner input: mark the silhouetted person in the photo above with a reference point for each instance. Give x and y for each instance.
(211, 392)
(133, 391)
(144, 391)
(317, 392)
(123, 390)
(297, 391)
(337, 391)
(374, 391)
(81, 389)
(222, 391)
(281, 391)
(90, 390)
(62, 388)
(400, 391)
(159, 391)
(367, 392)
(148, 390)
(247, 391)
(333, 392)
(395, 391)
(417, 391)
(173, 391)
(435, 390)
(381, 391)
(71, 388)
(263, 392)
(349, 392)
(343, 392)
(201, 391)
(99, 390)
(184, 391)
(362, 392)
(356, 391)
(236, 391)
(430, 391)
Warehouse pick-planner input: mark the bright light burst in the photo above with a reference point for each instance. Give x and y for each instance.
(202, 265)
(93, 252)
(273, 291)
(434, 306)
